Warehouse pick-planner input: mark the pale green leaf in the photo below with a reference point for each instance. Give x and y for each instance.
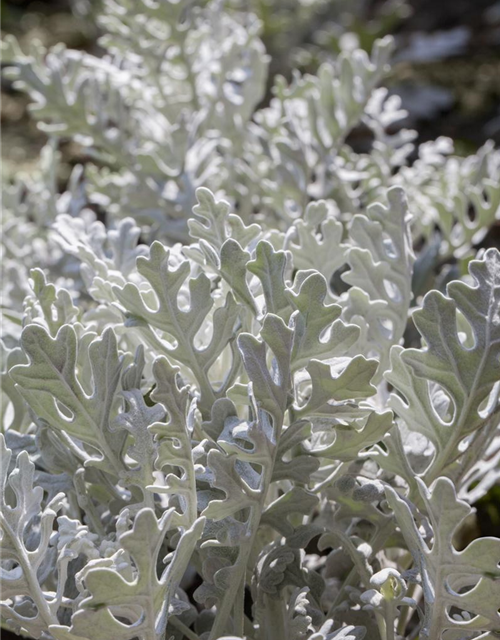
(466, 580)
(142, 602)
(50, 385)
(445, 384)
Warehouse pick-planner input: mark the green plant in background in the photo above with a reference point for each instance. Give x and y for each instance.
(227, 409)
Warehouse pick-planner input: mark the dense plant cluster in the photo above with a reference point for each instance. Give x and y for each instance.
(250, 374)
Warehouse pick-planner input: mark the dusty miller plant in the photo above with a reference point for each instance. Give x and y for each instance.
(275, 428)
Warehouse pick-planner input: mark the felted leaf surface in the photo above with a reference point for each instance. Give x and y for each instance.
(338, 395)
(292, 462)
(210, 223)
(174, 437)
(233, 268)
(269, 266)
(318, 329)
(245, 472)
(467, 373)
(136, 420)
(50, 386)
(50, 306)
(179, 323)
(17, 537)
(143, 601)
(381, 261)
(12, 407)
(295, 501)
(215, 225)
(353, 438)
(467, 580)
(271, 389)
(315, 240)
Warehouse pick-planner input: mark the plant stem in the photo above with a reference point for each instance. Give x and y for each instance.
(275, 627)
(29, 573)
(389, 621)
(238, 610)
(224, 611)
(404, 618)
(175, 622)
(237, 580)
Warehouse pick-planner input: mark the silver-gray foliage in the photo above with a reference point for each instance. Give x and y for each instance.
(267, 430)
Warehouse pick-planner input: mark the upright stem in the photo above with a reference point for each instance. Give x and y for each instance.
(405, 617)
(237, 580)
(220, 623)
(29, 573)
(175, 622)
(375, 543)
(349, 548)
(389, 621)
(238, 610)
(275, 628)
